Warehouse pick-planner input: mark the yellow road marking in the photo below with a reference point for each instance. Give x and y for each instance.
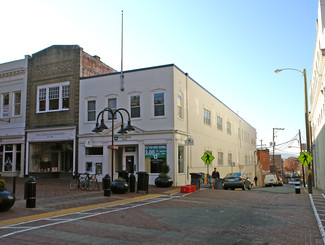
(73, 210)
(80, 209)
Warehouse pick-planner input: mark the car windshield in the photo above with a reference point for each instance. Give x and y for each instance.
(233, 175)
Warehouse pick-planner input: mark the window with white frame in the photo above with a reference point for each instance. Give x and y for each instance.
(181, 159)
(207, 117)
(229, 159)
(17, 103)
(220, 158)
(219, 123)
(135, 106)
(159, 104)
(180, 105)
(91, 110)
(5, 105)
(53, 97)
(229, 128)
(111, 103)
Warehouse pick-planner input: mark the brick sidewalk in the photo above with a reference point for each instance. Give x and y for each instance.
(54, 194)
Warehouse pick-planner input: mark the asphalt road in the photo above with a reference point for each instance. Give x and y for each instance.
(274, 215)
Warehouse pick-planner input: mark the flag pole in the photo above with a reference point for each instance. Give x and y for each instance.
(122, 75)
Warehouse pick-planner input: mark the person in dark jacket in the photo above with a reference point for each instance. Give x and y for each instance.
(215, 174)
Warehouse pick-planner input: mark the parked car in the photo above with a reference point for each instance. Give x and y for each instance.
(237, 180)
(270, 180)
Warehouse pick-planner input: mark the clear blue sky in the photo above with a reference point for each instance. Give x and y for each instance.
(231, 48)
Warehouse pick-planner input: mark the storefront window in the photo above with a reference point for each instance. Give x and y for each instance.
(155, 156)
(51, 157)
(180, 159)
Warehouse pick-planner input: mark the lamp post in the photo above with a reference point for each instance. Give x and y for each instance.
(102, 126)
(303, 72)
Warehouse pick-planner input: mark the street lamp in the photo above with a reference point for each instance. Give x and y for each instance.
(102, 126)
(303, 72)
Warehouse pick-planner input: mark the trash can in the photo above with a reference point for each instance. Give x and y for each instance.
(297, 187)
(196, 179)
(218, 183)
(143, 181)
(124, 174)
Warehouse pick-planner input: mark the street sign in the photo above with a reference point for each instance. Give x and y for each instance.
(305, 158)
(207, 158)
(189, 141)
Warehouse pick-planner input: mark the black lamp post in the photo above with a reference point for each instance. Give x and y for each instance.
(102, 126)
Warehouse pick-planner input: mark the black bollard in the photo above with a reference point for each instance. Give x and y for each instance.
(132, 182)
(30, 192)
(107, 185)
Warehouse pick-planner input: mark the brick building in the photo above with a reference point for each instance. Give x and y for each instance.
(52, 107)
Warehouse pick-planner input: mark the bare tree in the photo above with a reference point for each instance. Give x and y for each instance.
(292, 165)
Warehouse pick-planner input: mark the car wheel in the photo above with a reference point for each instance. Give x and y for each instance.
(232, 189)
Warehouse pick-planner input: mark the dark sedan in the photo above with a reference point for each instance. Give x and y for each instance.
(237, 180)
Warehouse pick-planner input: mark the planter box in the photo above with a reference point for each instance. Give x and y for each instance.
(188, 188)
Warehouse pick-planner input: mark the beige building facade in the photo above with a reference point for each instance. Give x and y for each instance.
(176, 121)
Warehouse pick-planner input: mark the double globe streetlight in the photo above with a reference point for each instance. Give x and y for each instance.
(303, 72)
(102, 126)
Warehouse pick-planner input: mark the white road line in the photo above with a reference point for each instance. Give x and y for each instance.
(319, 222)
(62, 220)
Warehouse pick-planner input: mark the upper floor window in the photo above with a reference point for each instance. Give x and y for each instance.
(5, 105)
(135, 106)
(180, 105)
(53, 97)
(159, 104)
(17, 103)
(219, 123)
(111, 103)
(91, 110)
(229, 159)
(207, 117)
(229, 128)
(220, 158)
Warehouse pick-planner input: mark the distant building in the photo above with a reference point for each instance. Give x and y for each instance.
(317, 101)
(276, 164)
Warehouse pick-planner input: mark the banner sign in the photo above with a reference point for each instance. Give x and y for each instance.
(155, 151)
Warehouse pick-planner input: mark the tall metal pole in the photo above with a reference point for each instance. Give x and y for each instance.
(309, 179)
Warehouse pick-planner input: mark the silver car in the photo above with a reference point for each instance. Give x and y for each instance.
(237, 180)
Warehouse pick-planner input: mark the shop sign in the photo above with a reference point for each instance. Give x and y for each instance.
(123, 137)
(155, 151)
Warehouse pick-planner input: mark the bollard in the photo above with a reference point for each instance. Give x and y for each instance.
(30, 192)
(297, 187)
(132, 182)
(107, 185)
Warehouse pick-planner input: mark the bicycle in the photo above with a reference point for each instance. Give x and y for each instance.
(93, 182)
(84, 181)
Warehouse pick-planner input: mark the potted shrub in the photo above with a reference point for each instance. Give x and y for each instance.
(163, 180)
(119, 186)
(7, 198)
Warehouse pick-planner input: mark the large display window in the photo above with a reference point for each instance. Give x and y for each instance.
(155, 156)
(51, 157)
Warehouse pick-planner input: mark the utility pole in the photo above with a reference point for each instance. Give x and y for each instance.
(273, 160)
(303, 167)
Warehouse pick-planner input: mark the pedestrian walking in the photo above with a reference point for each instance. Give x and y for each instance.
(255, 180)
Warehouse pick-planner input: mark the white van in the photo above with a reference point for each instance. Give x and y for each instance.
(270, 180)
